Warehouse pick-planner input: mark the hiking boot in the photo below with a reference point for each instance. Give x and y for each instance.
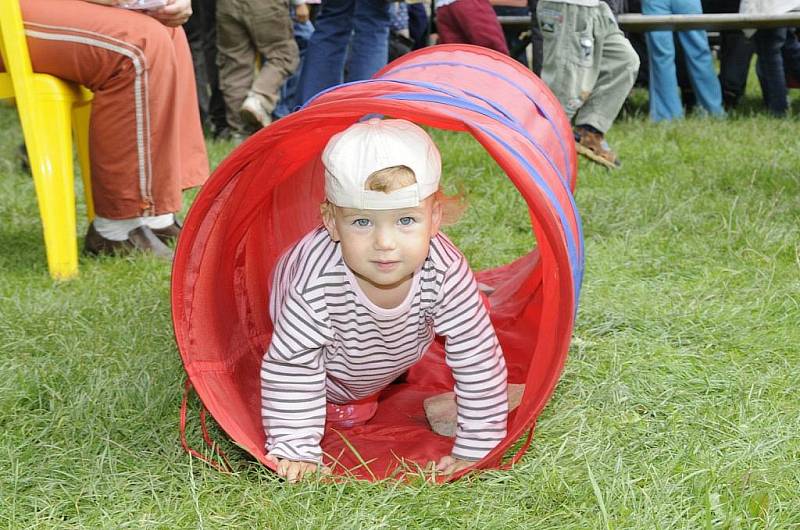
(254, 113)
(592, 145)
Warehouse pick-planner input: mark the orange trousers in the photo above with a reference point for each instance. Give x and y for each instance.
(146, 140)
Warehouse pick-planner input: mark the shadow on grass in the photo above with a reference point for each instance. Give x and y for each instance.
(26, 249)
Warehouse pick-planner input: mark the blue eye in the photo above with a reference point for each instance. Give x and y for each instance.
(363, 223)
(406, 221)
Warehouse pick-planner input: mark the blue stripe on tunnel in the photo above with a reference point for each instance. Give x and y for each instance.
(541, 110)
(506, 117)
(527, 96)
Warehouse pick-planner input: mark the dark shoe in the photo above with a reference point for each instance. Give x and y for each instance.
(730, 99)
(592, 145)
(221, 132)
(139, 239)
(168, 234)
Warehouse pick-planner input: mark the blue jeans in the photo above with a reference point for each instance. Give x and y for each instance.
(289, 91)
(364, 25)
(665, 101)
(778, 52)
(418, 25)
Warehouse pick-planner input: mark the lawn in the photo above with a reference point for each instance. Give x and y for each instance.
(679, 406)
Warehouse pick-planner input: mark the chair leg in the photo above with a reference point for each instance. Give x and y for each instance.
(80, 125)
(50, 152)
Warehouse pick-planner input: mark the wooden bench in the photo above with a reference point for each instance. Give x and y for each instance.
(635, 22)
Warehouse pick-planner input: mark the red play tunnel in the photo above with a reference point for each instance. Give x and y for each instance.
(266, 195)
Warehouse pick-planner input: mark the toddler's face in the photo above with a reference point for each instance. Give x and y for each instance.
(383, 248)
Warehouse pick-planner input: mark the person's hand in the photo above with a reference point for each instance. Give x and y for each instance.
(175, 13)
(448, 465)
(301, 13)
(294, 471)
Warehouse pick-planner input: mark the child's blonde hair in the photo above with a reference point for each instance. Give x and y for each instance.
(393, 178)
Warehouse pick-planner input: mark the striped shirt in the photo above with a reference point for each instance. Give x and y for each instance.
(331, 343)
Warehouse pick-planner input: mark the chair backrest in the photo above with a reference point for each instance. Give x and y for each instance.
(12, 39)
(14, 50)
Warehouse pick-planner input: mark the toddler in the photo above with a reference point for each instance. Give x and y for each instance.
(356, 302)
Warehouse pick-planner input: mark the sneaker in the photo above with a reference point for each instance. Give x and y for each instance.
(593, 146)
(253, 112)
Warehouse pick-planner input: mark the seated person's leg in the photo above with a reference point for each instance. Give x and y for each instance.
(617, 68)
(562, 53)
(146, 140)
(616, 65)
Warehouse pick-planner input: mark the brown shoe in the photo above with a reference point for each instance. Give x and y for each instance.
(139, 239)
(168, 234)
(593, 146)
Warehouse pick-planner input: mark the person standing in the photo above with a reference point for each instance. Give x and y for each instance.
(247, 31)
(777, 50)
(362, 26)
(735, 54)
(665, 101)
(590, 66)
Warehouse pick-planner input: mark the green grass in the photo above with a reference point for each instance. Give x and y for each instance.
(678, 406)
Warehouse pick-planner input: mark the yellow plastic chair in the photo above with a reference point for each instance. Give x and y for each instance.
(49, 109)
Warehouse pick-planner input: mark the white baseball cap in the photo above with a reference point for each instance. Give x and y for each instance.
(354, 154)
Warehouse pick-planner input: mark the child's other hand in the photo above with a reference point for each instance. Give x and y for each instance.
(301, 13)
(449, 465)
(294, 471)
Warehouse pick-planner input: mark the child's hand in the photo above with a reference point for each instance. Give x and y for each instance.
(301, 13)
(294, 471)
(449, 465)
